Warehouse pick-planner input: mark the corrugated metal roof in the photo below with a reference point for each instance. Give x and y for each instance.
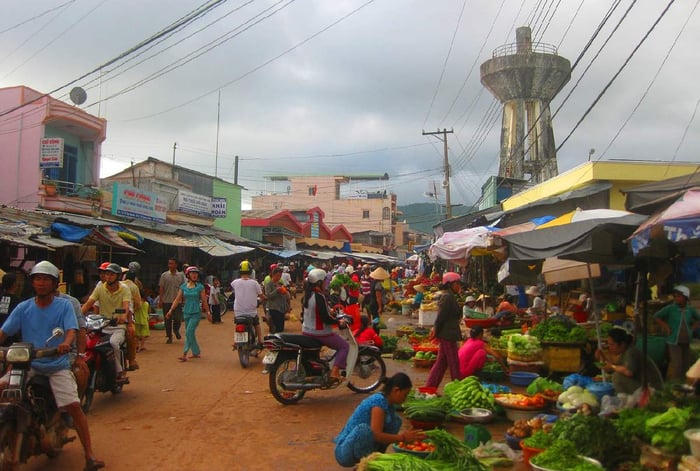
(167, 239)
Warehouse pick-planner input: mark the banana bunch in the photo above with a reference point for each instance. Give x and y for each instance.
(432, 306)
(469, 393)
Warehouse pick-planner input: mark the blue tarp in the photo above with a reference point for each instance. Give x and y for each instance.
(69, 232)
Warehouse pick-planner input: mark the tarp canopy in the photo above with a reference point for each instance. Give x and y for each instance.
(678, 224)
(651, 197)
(596, 240)
(557, 270)
(458, 246)
(218, 248)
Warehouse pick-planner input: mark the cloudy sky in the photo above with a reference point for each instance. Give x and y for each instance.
(348, 86)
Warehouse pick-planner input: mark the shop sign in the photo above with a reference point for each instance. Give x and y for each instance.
(128, 201)
(194, 203)
(51, 153)
(218, 207)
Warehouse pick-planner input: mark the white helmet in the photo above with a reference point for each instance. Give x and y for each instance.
(134, 266)
(316, 275)
(44, 268)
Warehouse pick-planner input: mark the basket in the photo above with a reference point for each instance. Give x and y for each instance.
(485, 323)
(526, 358)
(418, 363)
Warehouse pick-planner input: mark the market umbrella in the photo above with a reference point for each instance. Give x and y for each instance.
(593, 236)
(458, 246)
(676, 226)
(558, 270)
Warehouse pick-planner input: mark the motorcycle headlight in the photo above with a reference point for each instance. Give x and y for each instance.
(18, 354)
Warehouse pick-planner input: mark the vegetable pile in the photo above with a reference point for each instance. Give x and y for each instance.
(524, 345)
(469, 393)
(427, 410)
(450, 453)
(575, 397)
(559, 330)
(562, 456)
(545, 386)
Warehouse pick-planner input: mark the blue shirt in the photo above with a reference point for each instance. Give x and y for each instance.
(363, 415)
(36, 324)
(192, 298)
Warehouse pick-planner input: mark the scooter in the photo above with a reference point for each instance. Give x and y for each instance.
(244, 339)
(99, 357)
(295, 365)
(30, 422)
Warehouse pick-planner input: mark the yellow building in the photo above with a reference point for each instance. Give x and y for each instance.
(598, 183)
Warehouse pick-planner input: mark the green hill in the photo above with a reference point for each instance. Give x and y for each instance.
(423, 216)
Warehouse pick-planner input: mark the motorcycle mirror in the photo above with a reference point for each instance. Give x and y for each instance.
(55, 333)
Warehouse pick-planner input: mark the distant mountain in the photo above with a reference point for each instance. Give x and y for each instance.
(423, 216)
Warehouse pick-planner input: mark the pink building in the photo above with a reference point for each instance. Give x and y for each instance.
(42, 138)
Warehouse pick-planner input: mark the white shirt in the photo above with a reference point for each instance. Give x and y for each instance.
(246, 292)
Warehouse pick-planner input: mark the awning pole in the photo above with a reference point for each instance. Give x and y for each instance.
(596, 318)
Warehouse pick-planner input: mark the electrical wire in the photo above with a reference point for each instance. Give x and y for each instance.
(36, 17)
(619, 71)
(549, 21)
(205, 8)
(255, 69)
(651, 83)
(444, 64)
(571, 22)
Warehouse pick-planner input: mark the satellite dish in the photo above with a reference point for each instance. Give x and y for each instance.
(78, 95)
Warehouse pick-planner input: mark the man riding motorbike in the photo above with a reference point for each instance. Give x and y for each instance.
(113, 295)
(36, 318)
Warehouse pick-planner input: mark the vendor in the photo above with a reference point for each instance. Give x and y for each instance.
(472, 354)
(506, 309)
(375, 424)
(624, 361)
(678, 320)
(418, 298)
(470, 305)
(537, 310)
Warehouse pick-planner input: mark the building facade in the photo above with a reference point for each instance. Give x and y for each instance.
(46, 141)
(359, 210)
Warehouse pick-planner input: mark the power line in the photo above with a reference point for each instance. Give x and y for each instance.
(205, 8)
(36, 17)
(444, 64)
(255, 69)
(619, 71)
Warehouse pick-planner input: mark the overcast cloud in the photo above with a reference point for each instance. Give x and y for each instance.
(354, 98)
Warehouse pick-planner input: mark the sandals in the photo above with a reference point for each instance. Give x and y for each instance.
(195, 356)
(333, 381)
(182, 359)
(92, 464)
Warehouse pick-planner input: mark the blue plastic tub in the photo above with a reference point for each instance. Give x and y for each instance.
(522, 378)
(600, 389)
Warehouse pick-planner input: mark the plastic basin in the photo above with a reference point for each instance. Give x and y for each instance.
(522, 378)
(693, 436)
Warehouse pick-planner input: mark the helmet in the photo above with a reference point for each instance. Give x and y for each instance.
(114, 268)
(316, 275)
(191, 269)
(682, 290)
(450, 277)
(103, 267)
(470, 299)
(44, 268)
(244, 267)
(134, 266)
(273, 266)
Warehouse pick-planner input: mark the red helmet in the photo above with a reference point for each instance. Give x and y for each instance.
(104, 266)
(450, 277)
(191, 269)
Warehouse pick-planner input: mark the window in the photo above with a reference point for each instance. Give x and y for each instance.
(386, 212)
(365, 214)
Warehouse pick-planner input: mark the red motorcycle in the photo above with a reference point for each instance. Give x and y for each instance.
(99, 357)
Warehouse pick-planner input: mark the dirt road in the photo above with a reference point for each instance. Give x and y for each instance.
(209, 414)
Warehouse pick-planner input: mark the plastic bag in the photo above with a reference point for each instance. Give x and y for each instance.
(576, 380)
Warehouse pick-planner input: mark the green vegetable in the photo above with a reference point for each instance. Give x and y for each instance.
(539, 439)
(632, 422)
(559, 330)
(563, 456)
(524, 344)
(451, 450)
(666, 430)
(393, 461)
(543, 384)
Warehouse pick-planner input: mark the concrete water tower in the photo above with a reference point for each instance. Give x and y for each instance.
(525, 77)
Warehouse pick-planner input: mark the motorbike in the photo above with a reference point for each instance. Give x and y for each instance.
(296, 365)
(30, 422)
(99, 357)
(245, 339)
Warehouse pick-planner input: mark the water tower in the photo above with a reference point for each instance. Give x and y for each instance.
(525, 77)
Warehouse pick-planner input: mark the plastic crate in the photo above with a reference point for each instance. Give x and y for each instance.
(427, 317)
(562, 358)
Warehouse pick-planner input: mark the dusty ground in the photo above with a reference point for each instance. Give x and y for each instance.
(210, 414)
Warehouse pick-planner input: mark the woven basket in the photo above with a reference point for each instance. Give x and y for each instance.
(418, 363)
(520, 357)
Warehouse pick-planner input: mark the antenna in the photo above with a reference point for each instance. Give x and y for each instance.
(78, 96)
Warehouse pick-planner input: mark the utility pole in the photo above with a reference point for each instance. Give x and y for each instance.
(173, 167)
(446, 167)
(218, 121)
